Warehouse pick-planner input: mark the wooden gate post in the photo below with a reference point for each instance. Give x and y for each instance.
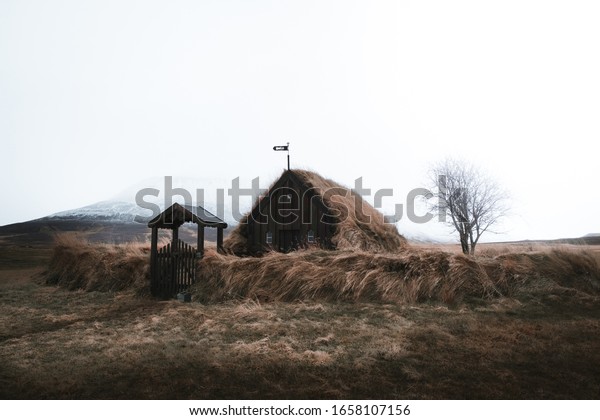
(175, 237)
(175, 260)
(220, 240)
(153, 252)
(200, 248)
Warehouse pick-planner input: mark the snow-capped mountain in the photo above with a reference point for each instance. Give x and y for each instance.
(143, 200)
(113, 211)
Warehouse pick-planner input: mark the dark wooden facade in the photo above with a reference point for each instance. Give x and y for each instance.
(291, 215)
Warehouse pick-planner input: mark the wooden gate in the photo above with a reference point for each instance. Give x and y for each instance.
(174, 269)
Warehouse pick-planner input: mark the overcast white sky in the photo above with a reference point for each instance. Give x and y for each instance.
(96, 96)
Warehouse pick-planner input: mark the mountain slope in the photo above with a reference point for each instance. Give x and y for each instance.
(105, 221)
(113, 211)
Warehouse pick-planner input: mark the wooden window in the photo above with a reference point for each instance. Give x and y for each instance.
(269, 237)
(311, 237)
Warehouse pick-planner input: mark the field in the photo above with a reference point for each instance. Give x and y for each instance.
(537, 337)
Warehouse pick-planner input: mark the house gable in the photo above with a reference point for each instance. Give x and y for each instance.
(301, 208)
(290, 215)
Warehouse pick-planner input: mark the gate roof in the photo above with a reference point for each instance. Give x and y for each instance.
(176, 215)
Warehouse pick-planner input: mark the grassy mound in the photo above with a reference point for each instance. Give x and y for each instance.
(406, 277)
(341, 276)
(414, 275)
(76, 264)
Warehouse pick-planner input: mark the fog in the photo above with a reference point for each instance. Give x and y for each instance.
(96, 97)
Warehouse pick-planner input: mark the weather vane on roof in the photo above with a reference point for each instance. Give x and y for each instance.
(284, 149)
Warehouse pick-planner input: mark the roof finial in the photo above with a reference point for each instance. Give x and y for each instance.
(284, 149)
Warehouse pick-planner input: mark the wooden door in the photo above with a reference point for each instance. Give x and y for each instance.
(289, 240)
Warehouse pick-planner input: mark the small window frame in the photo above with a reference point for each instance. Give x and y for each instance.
(310, 237)
(269, 238)
(285, 199)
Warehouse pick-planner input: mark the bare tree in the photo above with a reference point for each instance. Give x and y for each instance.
(467, 200)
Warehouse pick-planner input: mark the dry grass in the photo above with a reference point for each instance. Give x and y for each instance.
(56, 343)
(77, 264)
(362, 227)
(414, 275)
(538, 339)
(342, 276)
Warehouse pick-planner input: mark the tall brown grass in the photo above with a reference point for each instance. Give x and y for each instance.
(77, 264)
(409, 276)
(413, 275)
(565, 267)
(342, 276)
